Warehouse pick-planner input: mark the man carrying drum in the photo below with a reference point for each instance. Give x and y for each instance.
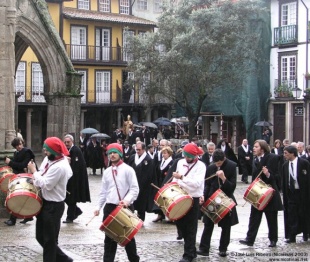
(224, 177)
(190, 175)
(52, 178)
(266, 164)
(119, 187)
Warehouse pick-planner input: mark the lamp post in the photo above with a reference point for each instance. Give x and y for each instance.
(296, 92)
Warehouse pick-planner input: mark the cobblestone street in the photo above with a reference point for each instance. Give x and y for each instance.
(156, 242)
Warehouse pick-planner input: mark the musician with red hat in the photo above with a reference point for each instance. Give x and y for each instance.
(190, 175)
(119, 187)
(52, 178)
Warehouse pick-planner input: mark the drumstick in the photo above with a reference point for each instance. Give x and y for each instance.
(170, 179)
(211, 176)
(68, 192)
(90, 220)
(155, 186)
(259, 173)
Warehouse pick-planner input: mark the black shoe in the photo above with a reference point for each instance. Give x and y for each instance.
(9, 222)
(305, 237)
(272, 244)
(222, 254)
(67, 221)
(185, 260)
(202, 253)
(78, 213)
(179, 237)
(26, 220)
(158, 219)
(246, 242)
(290, 241)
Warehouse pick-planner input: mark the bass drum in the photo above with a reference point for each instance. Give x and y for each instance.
(259, 194)
(6, 173)
(23, 199)
(173, 201)
(121, 225)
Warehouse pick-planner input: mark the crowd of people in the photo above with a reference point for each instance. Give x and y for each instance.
(134, 168)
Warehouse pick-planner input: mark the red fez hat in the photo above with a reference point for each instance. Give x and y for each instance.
(55, 146)
(116, 148)
(191, 150)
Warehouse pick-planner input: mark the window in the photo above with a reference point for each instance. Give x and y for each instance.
(20, 81)
(104, 6)
(124, 7)
(288, 14)
(157, 6)
(103, 86)
(103, 48)
(126, 55)
(83, 4)
(37, 83)
(78, 43)
(142, 4)
(288, 71)
(83, 85)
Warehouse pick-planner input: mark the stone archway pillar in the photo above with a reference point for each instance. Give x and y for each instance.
(28, 127)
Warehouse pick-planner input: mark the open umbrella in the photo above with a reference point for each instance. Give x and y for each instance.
(149, 124)
(161, 119)
(89, 130)
(263, 123)
(100, 136)
(164, 123)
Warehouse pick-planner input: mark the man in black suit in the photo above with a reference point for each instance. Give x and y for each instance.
(225, 179)
(268, 164)
(296, 195)
(22, 157)
(245, 157)
(207, 157)
(126, 149)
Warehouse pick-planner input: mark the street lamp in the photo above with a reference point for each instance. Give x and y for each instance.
(296, 92)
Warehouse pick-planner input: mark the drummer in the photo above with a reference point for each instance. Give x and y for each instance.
(190, 174)
(225, 179)
(119, 187)
(267, 163)
(19, 163)
(52, 178)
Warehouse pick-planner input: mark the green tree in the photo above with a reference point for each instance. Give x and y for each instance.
(200, 48)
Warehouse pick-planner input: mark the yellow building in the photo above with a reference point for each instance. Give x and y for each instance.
(94, 34)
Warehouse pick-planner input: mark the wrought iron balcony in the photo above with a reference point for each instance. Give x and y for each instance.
(86, 54)
(285, 35)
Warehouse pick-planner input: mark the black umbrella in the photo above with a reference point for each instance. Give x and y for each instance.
(149, 124)
(89, 130)
(161, 119)
(101, 136)
(263, 123)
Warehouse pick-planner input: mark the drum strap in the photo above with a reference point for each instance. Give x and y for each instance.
(191, 167)
(114, 173)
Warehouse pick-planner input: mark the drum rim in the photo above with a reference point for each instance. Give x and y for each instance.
(2, 179)
(213, 196)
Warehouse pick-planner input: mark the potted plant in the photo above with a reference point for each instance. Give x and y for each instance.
(283, 91)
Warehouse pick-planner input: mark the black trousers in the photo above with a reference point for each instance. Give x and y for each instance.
(207, 234)
(255, 220)
(73, 211)
(47, 231)
(294, 220)
(110, 245)
(188, 227)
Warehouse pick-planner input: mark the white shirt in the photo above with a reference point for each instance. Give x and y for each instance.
(127, 184)
(53, 179)
(193, 182)
(294, 173)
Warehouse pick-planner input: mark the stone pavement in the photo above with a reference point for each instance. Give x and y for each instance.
(156, 242)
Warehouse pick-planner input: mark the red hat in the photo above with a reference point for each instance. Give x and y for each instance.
(55, 146)
(191, 150)
(116, 148)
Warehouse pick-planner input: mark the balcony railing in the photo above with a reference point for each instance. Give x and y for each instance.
(98, 54)
(285, 35)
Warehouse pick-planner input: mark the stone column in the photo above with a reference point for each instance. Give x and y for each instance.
(28, 127)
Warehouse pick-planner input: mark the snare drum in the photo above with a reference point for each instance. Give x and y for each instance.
(121, 225)
(6, 173)
(173, 201)
(217, 206)
(23, 199)
(259, 194)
